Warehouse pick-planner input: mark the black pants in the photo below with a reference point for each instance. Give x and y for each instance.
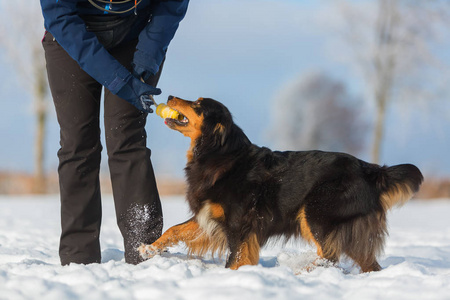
(76, 96)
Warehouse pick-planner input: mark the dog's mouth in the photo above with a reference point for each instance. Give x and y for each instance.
(180, 120)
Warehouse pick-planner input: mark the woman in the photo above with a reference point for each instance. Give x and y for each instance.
(120, 45)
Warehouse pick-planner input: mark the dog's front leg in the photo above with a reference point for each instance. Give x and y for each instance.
(244, 252)
(183, 232)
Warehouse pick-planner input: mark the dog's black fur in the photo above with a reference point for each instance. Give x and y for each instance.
(332, 199)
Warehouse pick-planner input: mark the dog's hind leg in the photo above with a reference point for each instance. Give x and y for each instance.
(183, 232)
(324, 251)
(243, 253)
(307, 235)
(361, 239)
(367, 261)
(366, 240)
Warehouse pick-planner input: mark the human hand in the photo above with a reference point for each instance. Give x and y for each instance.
(141, 72)
(138, 93)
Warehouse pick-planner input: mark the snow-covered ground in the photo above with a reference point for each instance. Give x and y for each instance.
(416, 262)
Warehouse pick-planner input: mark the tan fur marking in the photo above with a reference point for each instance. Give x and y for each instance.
(248, 253)
(190, 152)
(194, 133)
(219, 128)
(306, 233)
(203, 244)
(396, 196)
(175, 234)
(193, 127)
(216, 211)
(198, 240)
(333, 249)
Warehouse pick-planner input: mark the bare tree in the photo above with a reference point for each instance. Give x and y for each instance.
(393, 49)
(317, 112)
(20, 36)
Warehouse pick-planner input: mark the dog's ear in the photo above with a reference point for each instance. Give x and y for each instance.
(220, 134)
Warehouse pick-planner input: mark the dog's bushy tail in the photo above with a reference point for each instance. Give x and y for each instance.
(398, 184)
(362, 238)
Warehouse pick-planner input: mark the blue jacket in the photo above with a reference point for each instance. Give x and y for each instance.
(62, 19)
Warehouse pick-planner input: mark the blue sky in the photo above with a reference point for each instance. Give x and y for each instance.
(242, 53)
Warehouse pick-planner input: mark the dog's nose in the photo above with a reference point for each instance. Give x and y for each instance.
(170, 97)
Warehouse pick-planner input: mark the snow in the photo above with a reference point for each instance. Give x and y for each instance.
(416, 262)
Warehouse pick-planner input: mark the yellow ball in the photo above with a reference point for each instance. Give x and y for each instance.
(164, 112)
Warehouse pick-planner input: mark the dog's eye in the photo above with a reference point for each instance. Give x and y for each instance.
(197, 103)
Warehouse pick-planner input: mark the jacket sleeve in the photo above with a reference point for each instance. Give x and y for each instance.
(70, 32)
(156, 36)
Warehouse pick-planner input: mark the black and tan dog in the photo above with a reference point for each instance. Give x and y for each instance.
(241, 194)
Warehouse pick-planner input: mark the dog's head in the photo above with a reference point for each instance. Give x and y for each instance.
(205, 117)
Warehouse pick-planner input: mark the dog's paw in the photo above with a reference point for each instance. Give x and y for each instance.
(148, 251)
